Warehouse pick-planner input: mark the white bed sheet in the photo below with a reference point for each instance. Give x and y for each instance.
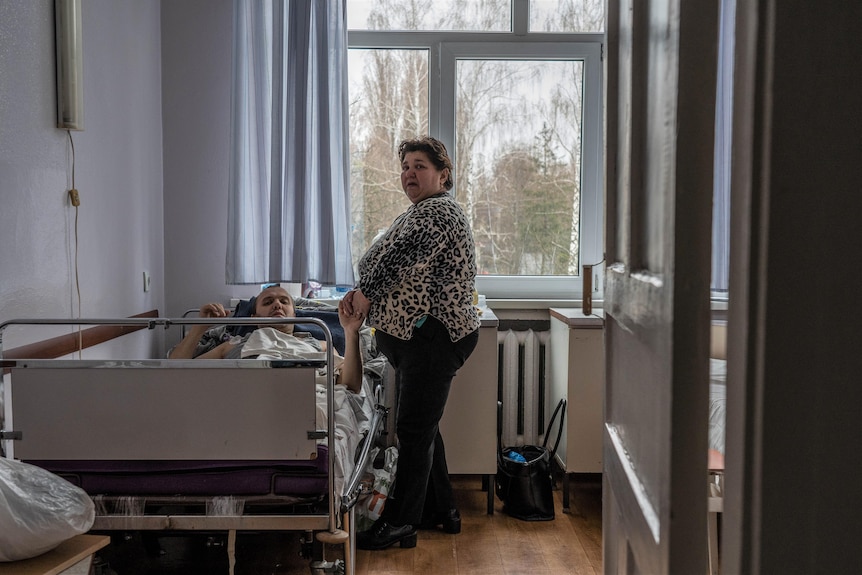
(353, 413)
(717, 403)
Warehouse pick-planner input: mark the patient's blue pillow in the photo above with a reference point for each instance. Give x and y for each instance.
(245, 308)
(330, 318)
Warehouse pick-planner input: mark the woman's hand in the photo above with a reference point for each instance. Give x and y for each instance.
(355, 301)
(361, 303)
(347, 302)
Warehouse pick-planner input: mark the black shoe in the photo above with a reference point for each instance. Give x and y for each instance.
(450, 520)
(383, 535)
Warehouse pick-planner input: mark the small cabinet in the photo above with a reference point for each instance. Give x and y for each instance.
(469, 424)
(577, 374)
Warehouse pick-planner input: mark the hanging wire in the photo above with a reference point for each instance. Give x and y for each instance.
(75, 204)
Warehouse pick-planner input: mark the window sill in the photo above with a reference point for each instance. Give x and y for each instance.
(542, 304)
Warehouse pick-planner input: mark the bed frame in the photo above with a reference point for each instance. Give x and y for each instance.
(226, 449)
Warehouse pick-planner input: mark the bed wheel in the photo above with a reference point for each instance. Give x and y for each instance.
(327, 567)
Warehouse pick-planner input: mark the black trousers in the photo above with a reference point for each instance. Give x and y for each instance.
(424, 366)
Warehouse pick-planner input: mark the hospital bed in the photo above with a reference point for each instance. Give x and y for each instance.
(717, 425)
(202, 445)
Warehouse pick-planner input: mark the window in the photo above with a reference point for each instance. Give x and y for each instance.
(567, 16)
(519, 111)
(469, 15)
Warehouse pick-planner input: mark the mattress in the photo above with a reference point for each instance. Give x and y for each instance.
(143, 478)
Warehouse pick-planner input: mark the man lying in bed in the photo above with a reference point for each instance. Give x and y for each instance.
(275, 341)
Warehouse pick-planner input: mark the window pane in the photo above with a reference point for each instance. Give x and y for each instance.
(518, 168)
(461, 15)
(567, 15)
(382, 113)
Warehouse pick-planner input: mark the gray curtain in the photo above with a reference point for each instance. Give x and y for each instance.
(723, 137)
(288, 207)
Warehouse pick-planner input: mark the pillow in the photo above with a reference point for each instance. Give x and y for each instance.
(330, 318)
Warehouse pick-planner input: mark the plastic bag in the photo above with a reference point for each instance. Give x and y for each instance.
(370, 507)
(38, 510)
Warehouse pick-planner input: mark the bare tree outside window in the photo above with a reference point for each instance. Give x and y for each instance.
(476, 15)
(567, 15)
(388, 103)
(519, 155)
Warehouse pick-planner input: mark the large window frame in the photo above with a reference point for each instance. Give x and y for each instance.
(445, 49)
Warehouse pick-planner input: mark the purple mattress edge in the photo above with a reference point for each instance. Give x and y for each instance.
(194, 477)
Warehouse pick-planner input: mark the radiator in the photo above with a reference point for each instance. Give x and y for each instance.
(522, 384)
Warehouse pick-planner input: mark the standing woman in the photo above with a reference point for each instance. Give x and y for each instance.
(416, 289)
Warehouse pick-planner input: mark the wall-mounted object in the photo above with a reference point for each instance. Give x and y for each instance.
(587, 299)
(70, 65)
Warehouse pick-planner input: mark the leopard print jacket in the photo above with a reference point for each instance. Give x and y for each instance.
(425, 264)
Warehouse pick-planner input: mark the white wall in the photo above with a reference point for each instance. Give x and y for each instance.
(118, 166)
(196, 63)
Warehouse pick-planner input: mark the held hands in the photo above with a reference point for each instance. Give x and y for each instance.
(350, 320)
(356, 302)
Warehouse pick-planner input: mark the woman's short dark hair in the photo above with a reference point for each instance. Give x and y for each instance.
(434, 149)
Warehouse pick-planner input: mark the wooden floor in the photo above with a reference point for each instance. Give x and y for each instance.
(488, 544)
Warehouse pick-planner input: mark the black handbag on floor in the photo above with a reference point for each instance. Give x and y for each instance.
(525, 487)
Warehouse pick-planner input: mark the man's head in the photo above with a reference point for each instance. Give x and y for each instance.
(274, 301)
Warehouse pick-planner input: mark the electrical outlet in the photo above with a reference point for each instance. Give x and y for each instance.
(146, 281)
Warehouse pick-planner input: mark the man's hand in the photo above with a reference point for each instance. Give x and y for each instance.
(212, 310)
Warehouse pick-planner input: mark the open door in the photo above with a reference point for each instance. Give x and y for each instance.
(661, 74)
